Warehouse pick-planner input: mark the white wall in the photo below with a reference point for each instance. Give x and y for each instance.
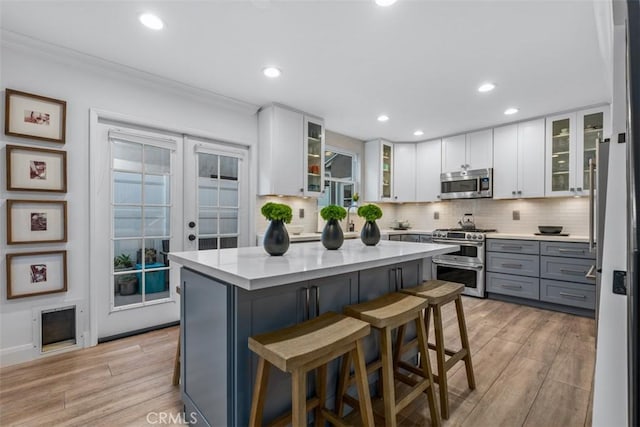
(87, 83)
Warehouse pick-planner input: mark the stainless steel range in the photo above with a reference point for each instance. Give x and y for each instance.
(465, 266)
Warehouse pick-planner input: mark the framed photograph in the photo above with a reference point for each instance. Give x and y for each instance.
(36, 273)
(36, 221)
(36, 169)
(34, 116)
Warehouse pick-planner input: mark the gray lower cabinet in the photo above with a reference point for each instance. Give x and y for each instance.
(517, 286)
(565, 293)
(219, 370)
(555, 274)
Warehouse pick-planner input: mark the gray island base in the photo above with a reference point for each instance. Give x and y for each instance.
(229, 295)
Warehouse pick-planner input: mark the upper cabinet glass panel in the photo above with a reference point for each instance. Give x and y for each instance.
(592, 135)
(560, 147)
(314, 157)
(387, 164)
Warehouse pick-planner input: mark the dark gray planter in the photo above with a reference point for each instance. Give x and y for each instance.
(332, 237)
(370, 234)
(276, 238)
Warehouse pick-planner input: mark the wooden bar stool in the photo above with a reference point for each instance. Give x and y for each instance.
(176, 363)
(385, 314)
(438, 293)
(301, 348)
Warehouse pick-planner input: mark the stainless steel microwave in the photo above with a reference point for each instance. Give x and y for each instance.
(466, 184)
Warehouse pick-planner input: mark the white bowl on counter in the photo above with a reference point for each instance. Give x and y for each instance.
(295, 229)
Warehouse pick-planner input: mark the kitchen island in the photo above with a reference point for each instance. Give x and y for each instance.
(229, 295)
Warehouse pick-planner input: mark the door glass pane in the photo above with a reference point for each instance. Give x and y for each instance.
(207, 165)
(229, 168)
(386, 170)
(228, 221)
(127, 156)
(560, 155)
(127, 188)
(208, 191)
(592, 132)
(228, 193)
(127, 221)
(157, 189)
(125, 252)
(157, 160)
(156, 221)
(155, 253)
(208, 220)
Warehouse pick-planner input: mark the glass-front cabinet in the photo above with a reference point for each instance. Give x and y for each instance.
(387, 172)
(571, 141)
(313, 156)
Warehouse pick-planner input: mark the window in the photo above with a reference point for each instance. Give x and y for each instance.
(141, 206)
(340, 178)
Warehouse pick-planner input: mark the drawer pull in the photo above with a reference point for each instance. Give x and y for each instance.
(571, 251)
(574, 272)
(512, 247)
(512, 286)
(512, 265)
(564, 294)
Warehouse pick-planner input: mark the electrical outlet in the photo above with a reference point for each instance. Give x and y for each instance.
(436, 215)
(301, 213)
(516, 215)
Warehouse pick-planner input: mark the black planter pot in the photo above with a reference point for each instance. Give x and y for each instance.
(276, 238)
(370, 234)
(332, 237)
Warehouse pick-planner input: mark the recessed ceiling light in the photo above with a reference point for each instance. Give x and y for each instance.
(510, 111)
(385, 3)
(383, 118)
(486, 87)
(418, 133)
(272, 72)
(151, 21)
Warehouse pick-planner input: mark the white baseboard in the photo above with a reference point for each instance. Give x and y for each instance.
(18, 354)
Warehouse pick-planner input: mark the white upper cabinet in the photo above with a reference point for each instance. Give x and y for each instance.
(290, 153)
(469, 151)
(379, 171)
(518, 160)
(404, 172)
(571, 140)
(428, 155)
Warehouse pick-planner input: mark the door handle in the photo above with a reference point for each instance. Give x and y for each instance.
(192, 237)
(191, 224)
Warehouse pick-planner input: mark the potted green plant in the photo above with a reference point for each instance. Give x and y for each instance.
(126, 284)
(332, 236)
(370, 234)
(276, 238)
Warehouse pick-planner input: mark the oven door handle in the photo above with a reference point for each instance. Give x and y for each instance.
(459, 242)
(463, 266)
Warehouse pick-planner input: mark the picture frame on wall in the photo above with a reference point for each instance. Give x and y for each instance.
(36, 221)
(36, 273)
(35, 117)
(36, 169)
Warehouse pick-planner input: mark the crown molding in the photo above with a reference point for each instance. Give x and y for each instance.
(23, 43)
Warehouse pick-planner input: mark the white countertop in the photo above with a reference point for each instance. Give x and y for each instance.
(252, 268)
(389, 231)
(531, 236)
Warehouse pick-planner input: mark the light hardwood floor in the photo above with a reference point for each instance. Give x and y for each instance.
(533, 368)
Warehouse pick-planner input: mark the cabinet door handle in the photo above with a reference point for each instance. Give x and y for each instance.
(317, 290)
(571, 251)
(394, 272)
(512, 286)
(306, 314)
(564, 294)
(512, 265)
(511, 247)
(574, 272)
(401, 275)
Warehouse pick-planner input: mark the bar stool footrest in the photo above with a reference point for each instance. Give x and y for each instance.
(285, 419)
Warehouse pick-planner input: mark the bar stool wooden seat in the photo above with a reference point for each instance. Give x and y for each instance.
(301, 348)
(385, 314)
(176, 363)
(438, 293)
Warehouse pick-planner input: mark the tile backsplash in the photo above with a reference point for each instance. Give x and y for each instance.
(569, 212)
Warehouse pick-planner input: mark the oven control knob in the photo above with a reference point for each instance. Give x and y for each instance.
(468, 237)
(480, 237)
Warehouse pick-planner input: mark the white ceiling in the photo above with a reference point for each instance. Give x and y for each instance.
(419, 62)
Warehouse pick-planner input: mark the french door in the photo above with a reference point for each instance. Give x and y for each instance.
(152, 193)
